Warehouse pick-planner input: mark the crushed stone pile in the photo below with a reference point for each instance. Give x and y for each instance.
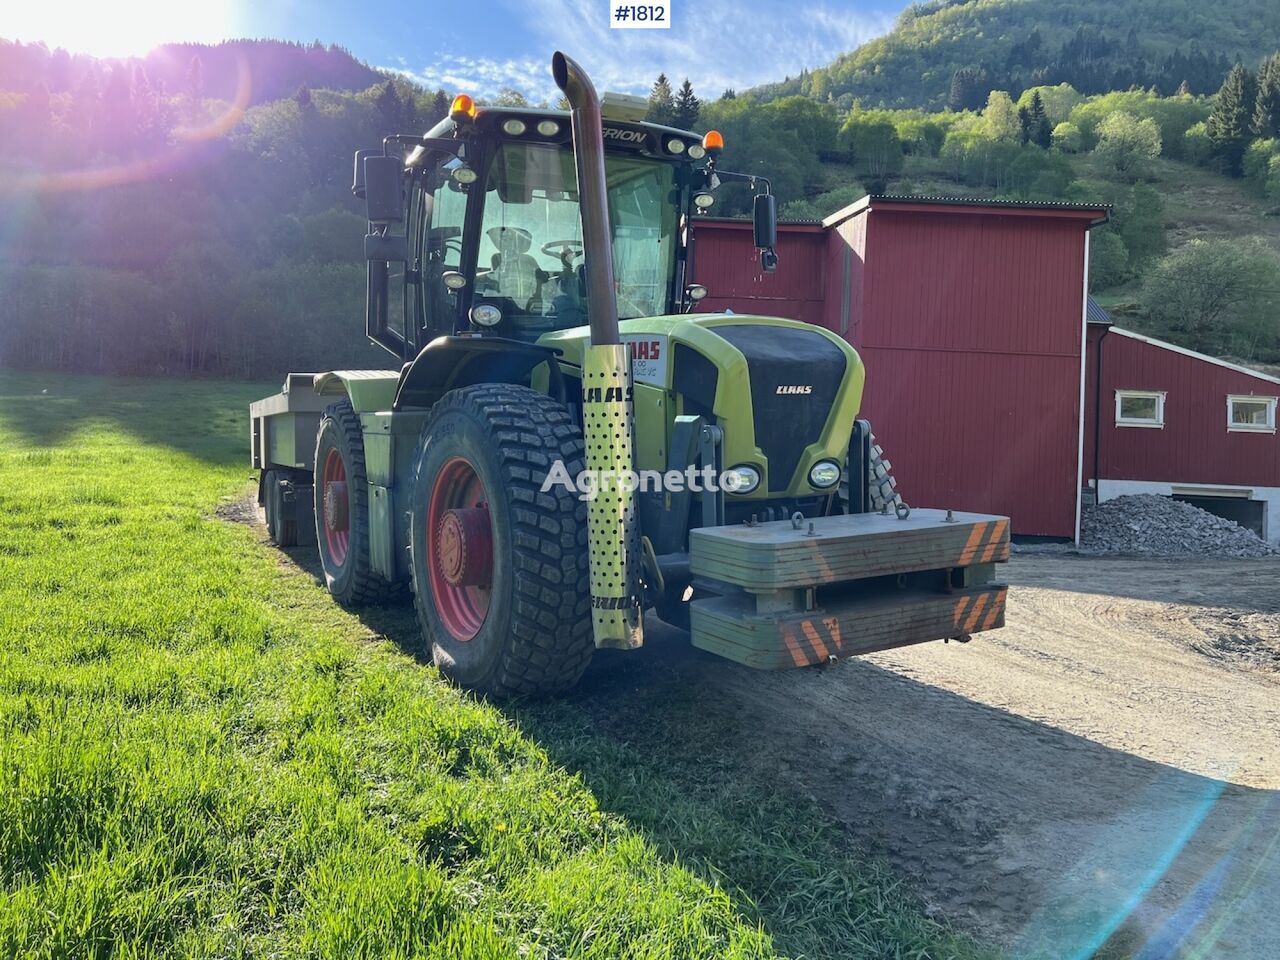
(1152, 526)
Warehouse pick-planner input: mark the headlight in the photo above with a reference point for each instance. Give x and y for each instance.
(548, 128)
(454, 280)
(485, 314)
(825, 473)
(703, 200)
(514, 127)
(675, 146)
(696, 151)
(740, 479)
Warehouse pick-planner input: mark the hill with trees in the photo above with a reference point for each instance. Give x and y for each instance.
(953, 52)
(159, 218)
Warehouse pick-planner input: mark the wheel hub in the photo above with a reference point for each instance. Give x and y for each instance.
(464, 547)
(336, 516)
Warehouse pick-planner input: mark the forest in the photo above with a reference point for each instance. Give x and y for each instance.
(183, 214)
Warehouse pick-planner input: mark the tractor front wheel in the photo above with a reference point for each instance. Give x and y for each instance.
(341, 494)
(500, 576)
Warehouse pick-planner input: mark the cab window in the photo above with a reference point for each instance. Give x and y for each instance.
(530, 262)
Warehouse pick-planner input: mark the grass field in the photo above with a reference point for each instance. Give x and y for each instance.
(200, 755)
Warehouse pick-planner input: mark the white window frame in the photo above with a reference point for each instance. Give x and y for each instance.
(1157, 395)
(1268, 427)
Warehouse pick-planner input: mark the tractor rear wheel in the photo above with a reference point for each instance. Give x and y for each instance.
(500, 576)
(341, 495)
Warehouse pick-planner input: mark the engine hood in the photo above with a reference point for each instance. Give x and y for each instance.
(784, 392)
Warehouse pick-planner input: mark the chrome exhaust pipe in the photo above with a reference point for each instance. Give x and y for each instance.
(613, 534)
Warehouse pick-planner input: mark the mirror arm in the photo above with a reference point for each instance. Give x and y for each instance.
(443, 144)
(750, 178)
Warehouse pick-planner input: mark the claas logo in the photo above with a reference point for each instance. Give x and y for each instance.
(646, 349)
(605, 395)
(799, 388)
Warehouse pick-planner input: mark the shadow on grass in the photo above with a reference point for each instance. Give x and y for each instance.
(1083, 851)
(208, 420)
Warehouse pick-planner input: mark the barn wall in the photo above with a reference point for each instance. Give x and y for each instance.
(970, 328)
(1194, 447)
(726, 262)
(969, 323)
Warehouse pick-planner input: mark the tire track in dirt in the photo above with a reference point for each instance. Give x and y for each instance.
(1104, 764)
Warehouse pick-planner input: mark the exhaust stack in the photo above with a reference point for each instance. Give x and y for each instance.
(613, 534)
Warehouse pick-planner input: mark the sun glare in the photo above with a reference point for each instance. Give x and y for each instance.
(122, 29)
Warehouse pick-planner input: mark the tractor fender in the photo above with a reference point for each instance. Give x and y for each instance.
(368, 390)
(448, 363)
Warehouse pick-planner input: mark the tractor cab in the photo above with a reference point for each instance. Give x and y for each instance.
(493, 238)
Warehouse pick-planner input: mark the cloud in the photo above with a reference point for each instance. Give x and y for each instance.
(484, 77)
(717, 44)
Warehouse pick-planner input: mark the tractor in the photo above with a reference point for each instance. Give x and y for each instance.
(564, 443)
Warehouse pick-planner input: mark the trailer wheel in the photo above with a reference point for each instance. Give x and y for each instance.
(341, 498)
(282, 521)
(500, 573)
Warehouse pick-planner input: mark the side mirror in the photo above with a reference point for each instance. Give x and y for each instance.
(765, 213)
(357, 175)
(384, 189)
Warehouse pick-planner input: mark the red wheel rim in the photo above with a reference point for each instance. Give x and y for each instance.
(458, 520)
(336, 499)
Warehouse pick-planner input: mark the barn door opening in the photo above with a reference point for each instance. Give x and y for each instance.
(1248, 513)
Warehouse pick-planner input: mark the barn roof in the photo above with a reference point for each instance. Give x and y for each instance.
(1095, 213)
(1094, 313)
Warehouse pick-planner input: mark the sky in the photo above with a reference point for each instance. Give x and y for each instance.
(480, 46)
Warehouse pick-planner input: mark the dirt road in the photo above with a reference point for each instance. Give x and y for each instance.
(1106, 769)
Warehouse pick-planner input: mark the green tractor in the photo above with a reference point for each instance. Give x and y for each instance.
(565, 444)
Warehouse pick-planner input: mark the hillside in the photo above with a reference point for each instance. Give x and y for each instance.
(269, 69)
(1095, 45)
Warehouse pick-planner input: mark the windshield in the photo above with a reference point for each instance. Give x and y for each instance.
(530, 263)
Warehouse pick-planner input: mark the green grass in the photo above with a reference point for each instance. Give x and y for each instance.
(200, 755)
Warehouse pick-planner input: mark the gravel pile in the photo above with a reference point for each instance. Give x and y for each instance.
(1152, 526)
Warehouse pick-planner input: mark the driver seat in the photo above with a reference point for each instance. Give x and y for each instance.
(515, 272)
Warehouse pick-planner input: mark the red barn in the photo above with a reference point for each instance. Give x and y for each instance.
(969, 316)
(1163, 419)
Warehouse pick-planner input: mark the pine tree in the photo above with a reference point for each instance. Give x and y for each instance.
(662, 105)
(1024, 125)
(1041, 133)
(1266, 114)
(303, 99)
(390, 106)
(439, 107)
(687, 106)
(1230, 125)
(968, 89)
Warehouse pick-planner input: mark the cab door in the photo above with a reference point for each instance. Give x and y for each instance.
(438, 213)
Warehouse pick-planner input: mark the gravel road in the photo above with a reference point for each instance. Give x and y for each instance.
(1106, 769)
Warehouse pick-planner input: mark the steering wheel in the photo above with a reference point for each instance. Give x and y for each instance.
(565, 250)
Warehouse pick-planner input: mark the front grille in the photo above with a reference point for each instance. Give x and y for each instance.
(787, 423)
